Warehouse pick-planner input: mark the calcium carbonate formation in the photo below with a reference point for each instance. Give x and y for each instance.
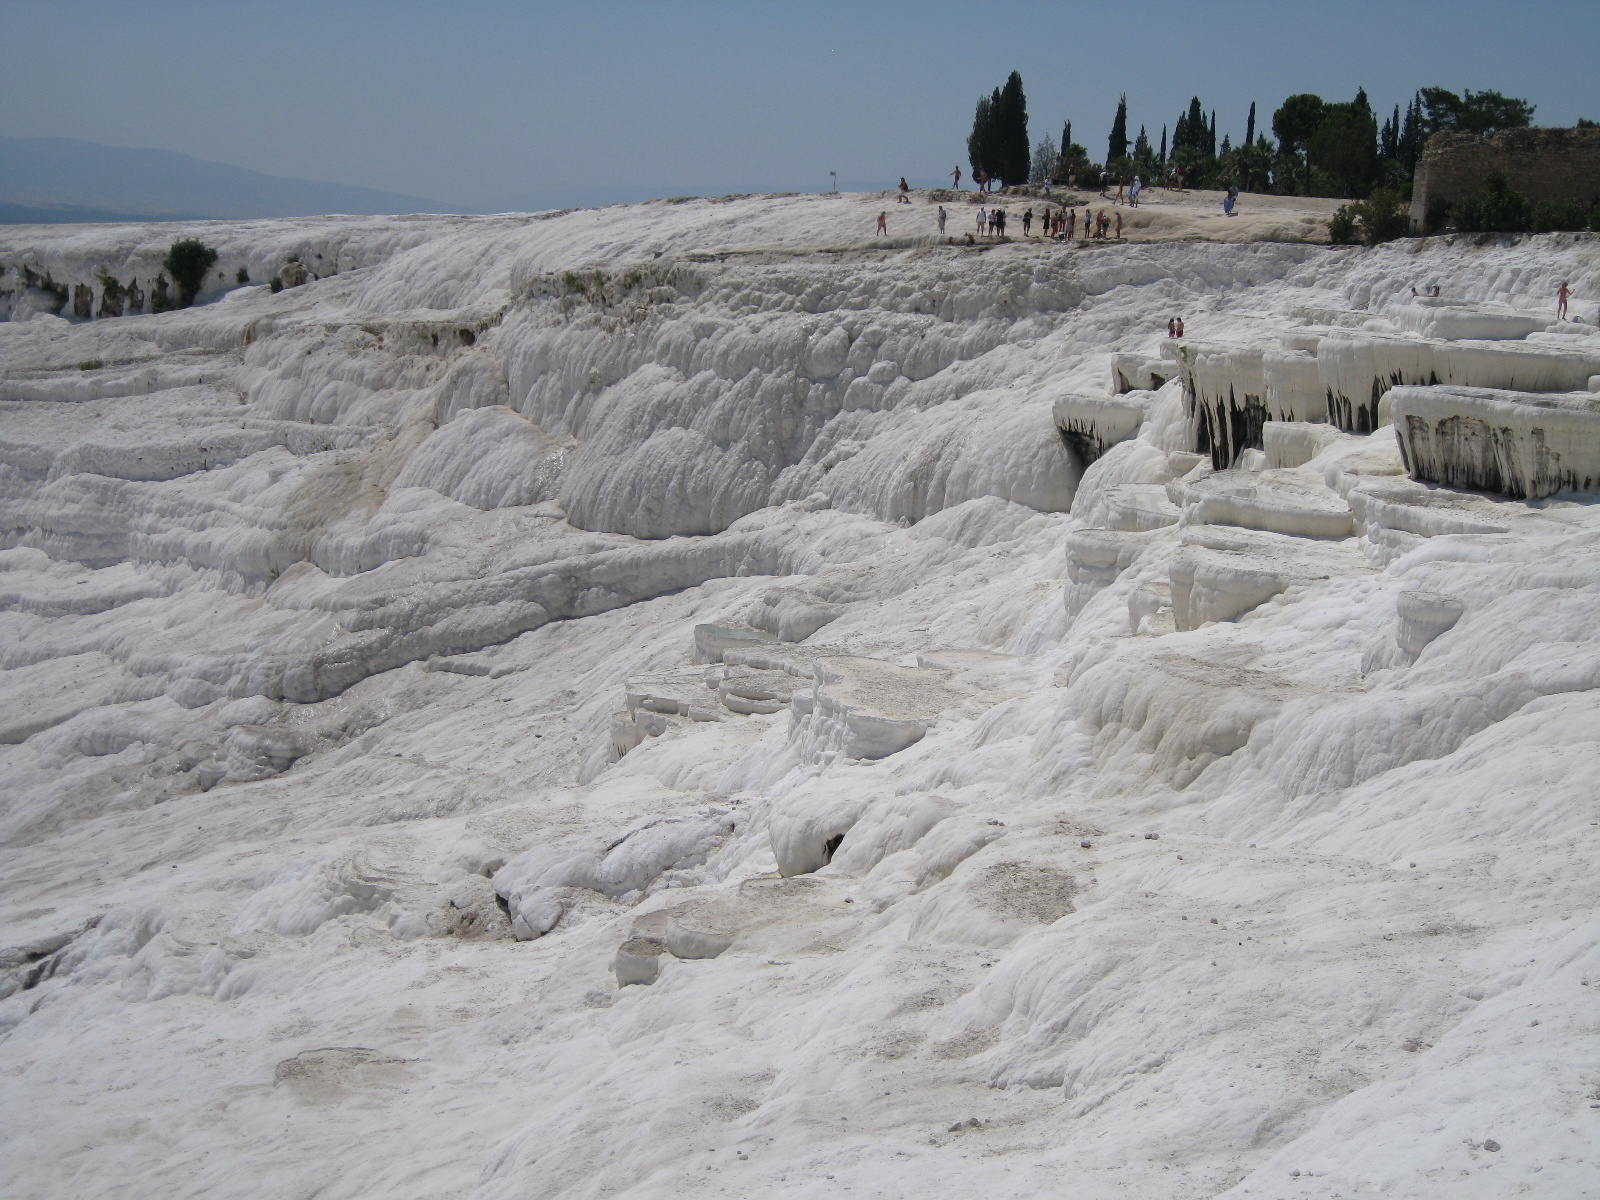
(689, 698)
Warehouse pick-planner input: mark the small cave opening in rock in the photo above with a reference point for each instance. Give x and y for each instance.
(830, 847)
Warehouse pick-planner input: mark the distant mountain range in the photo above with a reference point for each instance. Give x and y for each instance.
(62, 180)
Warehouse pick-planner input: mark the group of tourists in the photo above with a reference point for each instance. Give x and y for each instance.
(1096, 225)
(1174, 327)
(1060, 224)
(1125, 194)
(994, 220)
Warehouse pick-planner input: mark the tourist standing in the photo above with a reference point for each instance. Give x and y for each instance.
(1072, 222)
(883, 222)
(1172, 327)
(941, 218)
(1562, 293)
(1027, 223)
(1133, 194)
(983, 218)
(905, 192)
(956, 175)
(1179, 331)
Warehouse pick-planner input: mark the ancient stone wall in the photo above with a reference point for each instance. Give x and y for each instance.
(1542, 164)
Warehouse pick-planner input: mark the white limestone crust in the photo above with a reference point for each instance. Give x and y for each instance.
(1499, 441)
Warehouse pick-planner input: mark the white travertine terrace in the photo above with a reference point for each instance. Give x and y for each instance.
(1091, 425)
(399, 671)
(1500, 441)
(1293, 383)
(1453, 320)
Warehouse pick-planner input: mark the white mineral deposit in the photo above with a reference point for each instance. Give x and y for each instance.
(693, 699)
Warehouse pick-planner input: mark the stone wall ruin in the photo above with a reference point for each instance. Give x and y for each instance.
(1542, 164)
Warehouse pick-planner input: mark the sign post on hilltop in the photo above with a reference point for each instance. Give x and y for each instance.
(835, 177)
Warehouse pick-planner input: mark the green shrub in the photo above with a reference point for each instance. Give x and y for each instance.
(1551, 216)
(1342, 226)
(1496, 209)
(160, 300)
(275, 284)
(188, 260)
(90, 364)
(1383, 216)
(243, 276)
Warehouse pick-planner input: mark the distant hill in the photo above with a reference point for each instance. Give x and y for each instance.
(63, 180)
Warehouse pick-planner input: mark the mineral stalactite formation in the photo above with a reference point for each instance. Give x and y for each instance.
(694, 698)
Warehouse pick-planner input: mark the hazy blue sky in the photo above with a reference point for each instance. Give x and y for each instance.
(499, 105)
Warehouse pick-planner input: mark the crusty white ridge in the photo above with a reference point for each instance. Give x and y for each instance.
(688, 699)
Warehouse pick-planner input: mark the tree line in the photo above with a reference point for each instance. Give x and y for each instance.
(1316, 148)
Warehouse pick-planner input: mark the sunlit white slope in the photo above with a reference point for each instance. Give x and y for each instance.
(356, 724)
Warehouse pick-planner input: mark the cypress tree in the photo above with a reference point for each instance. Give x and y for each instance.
(1117, 146)
(1211, 135)
(1191, 132)
(1013, 153)
(1250, 126)
(980, 152)
(1411, 135)
(1163, 159)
